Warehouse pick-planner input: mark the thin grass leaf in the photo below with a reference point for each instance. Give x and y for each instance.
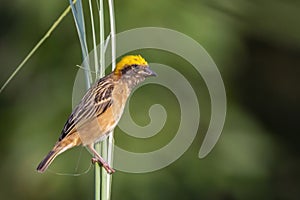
(99, 180)
(77, 11)
(98, 175)
(112, 32)
(110, 141)
(35, 48)
(107, 41)
(104, 175)
(94, 40)
(79, 66)
(102, 46)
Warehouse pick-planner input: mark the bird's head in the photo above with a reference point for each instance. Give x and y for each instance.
(133, 66)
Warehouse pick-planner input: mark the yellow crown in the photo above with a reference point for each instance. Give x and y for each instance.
(130, 60)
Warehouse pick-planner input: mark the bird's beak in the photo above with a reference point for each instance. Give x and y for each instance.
(149, 72)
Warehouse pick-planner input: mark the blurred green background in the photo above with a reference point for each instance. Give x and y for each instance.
(256, 46)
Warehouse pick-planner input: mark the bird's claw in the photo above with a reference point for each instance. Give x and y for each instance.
(103, 164)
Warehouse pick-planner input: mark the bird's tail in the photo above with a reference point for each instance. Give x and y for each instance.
(57, 149)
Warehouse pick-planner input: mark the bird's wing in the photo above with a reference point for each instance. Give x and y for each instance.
(95, 102)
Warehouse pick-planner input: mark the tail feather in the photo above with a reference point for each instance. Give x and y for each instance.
(44, 164)
(58, 149)
(68, 142)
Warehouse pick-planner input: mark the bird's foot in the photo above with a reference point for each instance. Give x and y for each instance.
(103, 164)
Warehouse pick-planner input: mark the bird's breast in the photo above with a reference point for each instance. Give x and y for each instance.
(119, 98)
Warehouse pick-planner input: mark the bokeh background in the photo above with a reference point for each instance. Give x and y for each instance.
(256, 46)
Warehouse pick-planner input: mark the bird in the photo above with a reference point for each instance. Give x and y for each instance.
(100, 110)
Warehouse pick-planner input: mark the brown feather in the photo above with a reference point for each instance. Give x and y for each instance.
(61, 146)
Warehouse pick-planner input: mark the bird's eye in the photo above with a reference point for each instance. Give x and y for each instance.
(135, 66)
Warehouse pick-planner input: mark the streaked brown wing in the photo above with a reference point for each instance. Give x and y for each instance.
(96, 101)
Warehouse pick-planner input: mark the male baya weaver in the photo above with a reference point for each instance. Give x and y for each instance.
(100, 110)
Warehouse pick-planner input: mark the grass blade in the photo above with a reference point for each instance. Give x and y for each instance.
(77, 11)
(35, 48)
